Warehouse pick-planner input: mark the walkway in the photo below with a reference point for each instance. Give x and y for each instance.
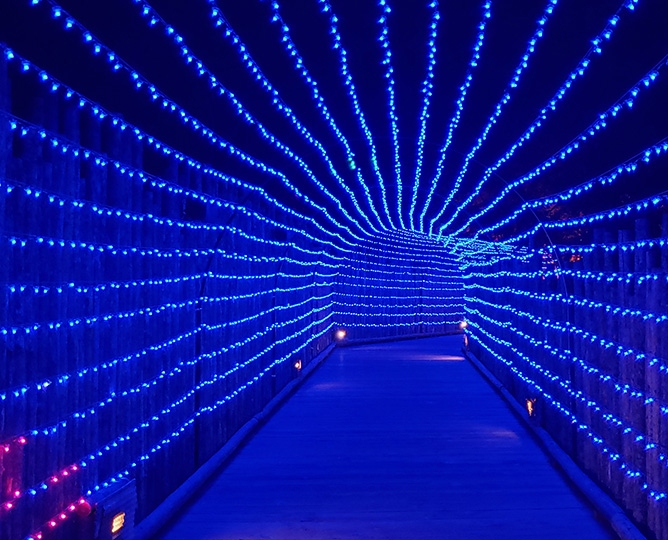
(400, 441)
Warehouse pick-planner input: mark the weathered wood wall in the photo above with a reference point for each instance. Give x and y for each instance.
(588, 339)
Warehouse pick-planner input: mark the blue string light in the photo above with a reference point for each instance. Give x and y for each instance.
(205, 410)
(347, 267)
(352, 94)
(302, 70)
(145, 88)
(428, 90)
(613, 456)
(498, 109)
(456, 317)
(24, 129)
(629, 166)
(596, 49)
(459, 107)
(580, 302)
(391, 102)
(568, 357)
(607, 277)
(208, 409)
(154, 20)
(643, 205)
(118, 123)
(626, 102)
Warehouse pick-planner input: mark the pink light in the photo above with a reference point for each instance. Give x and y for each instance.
(23, 440)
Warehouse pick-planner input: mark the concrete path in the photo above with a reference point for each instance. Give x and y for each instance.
(399, 441)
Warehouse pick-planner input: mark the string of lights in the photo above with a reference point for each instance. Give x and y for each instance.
(418, 277)
(427, 90)
(599, 443)
(643, 205)
(384, 40)
(45, 243)
(154, 20)
(56, 142)
(581, 68)
(626, 102)
(609, 277)
(376, 314)
(459, 107)
(117, 214)
(154, 301)
(83, 288)
(127, 251)
(565, 355)
(390, 306)
(352, 94)
(149, 384)
(164, 346)
(248, 61)
(456, 318)
(402, 287)
(622, 247)
(144, 311)
(587, 338)
(385, 298)
(612, 309)
(498, 109)
(303, 71)
(145, 88)
(634, 436)
(629, 166)
(117, 122)
(190, 422)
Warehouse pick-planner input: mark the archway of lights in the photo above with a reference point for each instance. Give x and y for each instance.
(194, 199)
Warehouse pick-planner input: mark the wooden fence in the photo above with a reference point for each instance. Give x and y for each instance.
(586, 336)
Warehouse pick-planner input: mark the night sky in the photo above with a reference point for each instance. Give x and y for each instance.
(640, 42)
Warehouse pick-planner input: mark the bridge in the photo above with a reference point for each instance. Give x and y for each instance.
(333, 269)
(392, 440)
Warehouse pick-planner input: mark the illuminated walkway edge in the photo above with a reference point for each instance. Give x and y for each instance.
(618, 520)
(390, 441)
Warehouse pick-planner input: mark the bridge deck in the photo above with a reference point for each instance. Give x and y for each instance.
(391, 441)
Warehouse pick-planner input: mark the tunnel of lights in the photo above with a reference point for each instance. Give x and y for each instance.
(193, 208)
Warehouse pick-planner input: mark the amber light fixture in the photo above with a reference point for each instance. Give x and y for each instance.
(117, 523)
